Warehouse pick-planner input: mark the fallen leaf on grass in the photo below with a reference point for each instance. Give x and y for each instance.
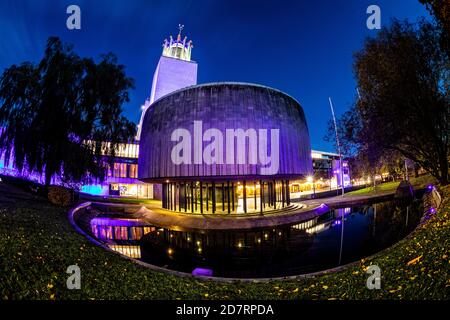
(414, 261)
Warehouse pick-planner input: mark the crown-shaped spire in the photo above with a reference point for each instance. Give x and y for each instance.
(178, 48)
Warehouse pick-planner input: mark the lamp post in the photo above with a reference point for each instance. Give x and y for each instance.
(341, 172)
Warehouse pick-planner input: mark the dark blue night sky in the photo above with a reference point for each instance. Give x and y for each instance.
(303, 48)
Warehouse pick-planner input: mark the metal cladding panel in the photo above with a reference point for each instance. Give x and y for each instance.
(224, 106)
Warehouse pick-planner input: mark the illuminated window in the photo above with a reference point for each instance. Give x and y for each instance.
(129, 251)
(129, 150)
(124, 150)
(106, 232)
(136, 233)
(123, 170)
(116, 169)
(109, 172)
(95, 230)
(121, 233)
(133, 170)
(120, 170)
(178, 52)
(149, 229)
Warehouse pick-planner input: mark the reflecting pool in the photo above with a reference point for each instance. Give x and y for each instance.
(334, 237)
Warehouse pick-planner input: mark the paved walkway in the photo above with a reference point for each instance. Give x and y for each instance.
(296, 213)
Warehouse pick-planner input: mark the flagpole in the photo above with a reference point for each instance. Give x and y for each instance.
(341, 171)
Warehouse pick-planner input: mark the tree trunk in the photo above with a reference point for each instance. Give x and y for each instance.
(48, 176)
(444, 169)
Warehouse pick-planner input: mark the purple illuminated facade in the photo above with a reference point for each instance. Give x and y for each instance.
(224, 106)
(225, 185)
(342, 177)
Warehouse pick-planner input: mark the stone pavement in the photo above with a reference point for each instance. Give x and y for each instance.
(296, 213)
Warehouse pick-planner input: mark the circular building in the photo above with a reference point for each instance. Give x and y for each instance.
(224, 148)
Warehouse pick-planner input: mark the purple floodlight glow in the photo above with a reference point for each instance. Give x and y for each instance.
(117, 222)
(202, 272)
(322, 208)
(432, 210)
(430, 187)
(96, 190)
(337, 222)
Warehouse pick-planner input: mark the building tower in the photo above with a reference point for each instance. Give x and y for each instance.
(175, 70)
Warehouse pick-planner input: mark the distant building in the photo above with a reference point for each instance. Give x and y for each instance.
(121, 177)
(326, 167)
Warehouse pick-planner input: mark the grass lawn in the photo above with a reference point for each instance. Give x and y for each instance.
(37, 244)
(419, 182)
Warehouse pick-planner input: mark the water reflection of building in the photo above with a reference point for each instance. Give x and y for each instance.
(119, 229)
(120, 234)
(127, 250)
(126, 235)
(307, 246)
